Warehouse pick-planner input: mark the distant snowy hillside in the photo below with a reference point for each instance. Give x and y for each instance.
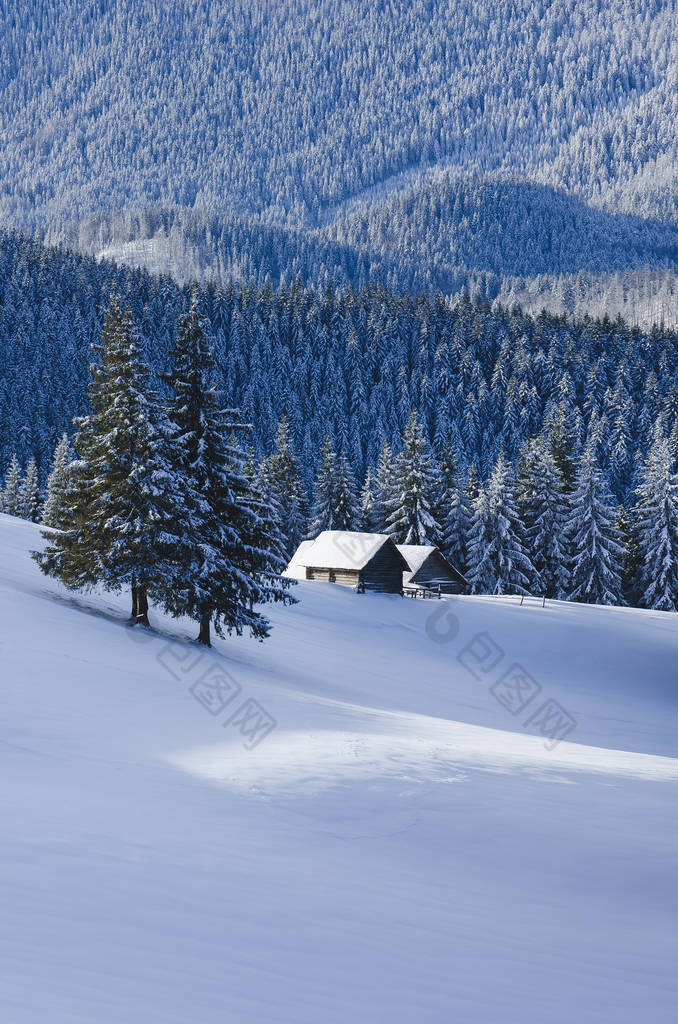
(355, 821)
(291, 108)
(495, 239)
(295, 114)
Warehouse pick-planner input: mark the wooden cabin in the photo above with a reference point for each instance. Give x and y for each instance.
(364, 561)
(429, 570)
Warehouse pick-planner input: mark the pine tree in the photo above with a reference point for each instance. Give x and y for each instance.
(595, 552)
(265, 544)
(415, 485)
(457, 524)
(119, 486)
(11, 492)
(30, 493)
(472, 483)
(54, 510)
(543, 509)
(384, 487)
(498, 563)
(369, 521)
(283, 475)
(562, 437)
(625, 525)
(219, 566)
(446, 495)
(335, 503)
(656, 517)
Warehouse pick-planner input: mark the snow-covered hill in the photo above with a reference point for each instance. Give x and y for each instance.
(399, 841)
(290, 109)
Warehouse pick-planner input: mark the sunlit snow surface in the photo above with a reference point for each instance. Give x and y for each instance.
(398, 846)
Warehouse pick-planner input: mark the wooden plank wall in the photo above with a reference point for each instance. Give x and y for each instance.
(434, 572)
(384, 572)
(344, 577)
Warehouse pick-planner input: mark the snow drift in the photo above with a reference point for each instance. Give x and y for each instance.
(363, 819)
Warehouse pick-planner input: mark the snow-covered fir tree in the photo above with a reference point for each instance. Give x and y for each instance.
(335, 502)
(12, 503)
(456, 526)
(115, 504)
(594, 545)
(544, 513)
(30, 493)
(216, 564)
(497, 557)
(282, 472)
(54, 511)
(656, 518)
(369, 516)
(446, 494)
(625, 525)
(562, 435)
(384, 487)
(265, 542)
(415, 486)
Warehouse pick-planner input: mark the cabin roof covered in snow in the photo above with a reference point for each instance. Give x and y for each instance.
(415, 554)
(340, 549)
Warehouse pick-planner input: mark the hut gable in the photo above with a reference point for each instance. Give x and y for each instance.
(296, 570)
(366, 561)
(428, 568)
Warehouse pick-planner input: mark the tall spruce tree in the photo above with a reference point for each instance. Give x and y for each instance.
(54, 511)
(446, 495)
(265, 544)
(626, 527)
(220, 565)
(118, 488)
(459, 516)
(12, 503)
(562, 437)
(335, 503)
(369, 516)
(384, 487)
(30, 493)
(543, 509)
(596, 555)
(283, 475)
(415, 486)
(656, 517)
(498, 562)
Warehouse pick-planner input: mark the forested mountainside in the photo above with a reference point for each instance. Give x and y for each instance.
(508, 229)
(448, 235)
(452, 144)
(510, 241)
(290, 108)
(351, 364)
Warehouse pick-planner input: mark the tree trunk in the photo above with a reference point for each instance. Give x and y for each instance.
(139, 603)
(204, 634)
(142, 605)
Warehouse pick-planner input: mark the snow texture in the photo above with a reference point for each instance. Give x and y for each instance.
(401, 846)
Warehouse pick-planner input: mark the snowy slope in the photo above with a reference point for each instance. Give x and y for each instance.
(399, 846)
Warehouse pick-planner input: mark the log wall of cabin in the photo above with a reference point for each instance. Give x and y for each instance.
(344, 577)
